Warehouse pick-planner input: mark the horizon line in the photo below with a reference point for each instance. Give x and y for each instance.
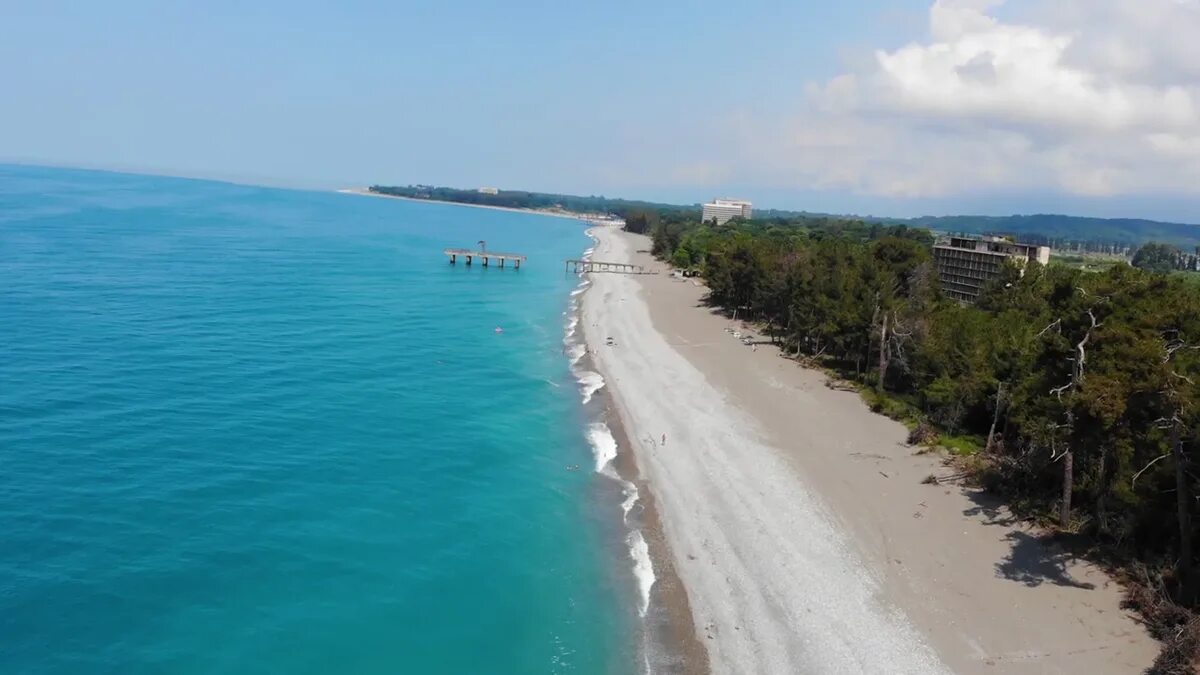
(269, 183)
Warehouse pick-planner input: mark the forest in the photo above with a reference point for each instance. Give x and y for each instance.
(519, 199)
(1072, 394)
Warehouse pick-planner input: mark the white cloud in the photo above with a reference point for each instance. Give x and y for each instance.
(1096, 97)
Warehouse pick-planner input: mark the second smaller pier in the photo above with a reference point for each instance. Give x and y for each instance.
(601, 266)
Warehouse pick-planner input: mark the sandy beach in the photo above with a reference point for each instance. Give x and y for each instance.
(798, 523)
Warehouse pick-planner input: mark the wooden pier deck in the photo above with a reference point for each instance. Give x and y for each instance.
(601, 266)
(485, 255)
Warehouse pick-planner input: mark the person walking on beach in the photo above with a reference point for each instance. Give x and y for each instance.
(664, 439)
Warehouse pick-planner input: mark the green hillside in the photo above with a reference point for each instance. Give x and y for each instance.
(1128, 231)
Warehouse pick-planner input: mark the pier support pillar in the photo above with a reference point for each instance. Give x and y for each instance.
(453, 258)
(468, 260)
(502, 263)
(517, 264)
(485, 261)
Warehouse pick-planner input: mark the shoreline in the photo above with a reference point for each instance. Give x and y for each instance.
(669, 644)
(672, 643)
(798, 521)
(366, 192)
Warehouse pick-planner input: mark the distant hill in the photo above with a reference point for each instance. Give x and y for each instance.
(1130, 232)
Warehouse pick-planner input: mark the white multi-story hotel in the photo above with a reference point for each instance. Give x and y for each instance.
(724, 210)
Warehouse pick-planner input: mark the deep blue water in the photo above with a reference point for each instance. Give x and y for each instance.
(248, 430)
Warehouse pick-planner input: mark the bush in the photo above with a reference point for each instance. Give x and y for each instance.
(962, 445)
(1176, 627)
(923, 434)
(890, 406)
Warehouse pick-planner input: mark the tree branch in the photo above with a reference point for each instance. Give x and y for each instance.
(1135, 476)
(1057, 323)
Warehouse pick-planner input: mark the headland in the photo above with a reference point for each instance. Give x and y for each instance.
(558, 213)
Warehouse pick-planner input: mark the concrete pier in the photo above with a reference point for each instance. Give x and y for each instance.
(601, 266)
(469, 256)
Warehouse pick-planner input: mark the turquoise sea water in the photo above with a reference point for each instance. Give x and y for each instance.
(247, 430)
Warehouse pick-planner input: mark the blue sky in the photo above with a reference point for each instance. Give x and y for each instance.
(825, 106)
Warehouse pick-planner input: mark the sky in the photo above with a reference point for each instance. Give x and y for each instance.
(883, 107)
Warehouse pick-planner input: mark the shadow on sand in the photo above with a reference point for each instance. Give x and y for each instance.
(1034, 559)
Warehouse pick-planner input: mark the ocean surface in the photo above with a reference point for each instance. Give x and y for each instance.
(250, 430)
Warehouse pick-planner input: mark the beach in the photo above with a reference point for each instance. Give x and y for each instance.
(799, 524)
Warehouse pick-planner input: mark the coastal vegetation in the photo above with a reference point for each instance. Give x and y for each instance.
(1071, 393)
(1109, 236)
(520, 199)
(1158, 257)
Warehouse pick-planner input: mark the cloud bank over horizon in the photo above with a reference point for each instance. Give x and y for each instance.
(1088, 98)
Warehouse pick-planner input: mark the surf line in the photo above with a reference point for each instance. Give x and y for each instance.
(604, 444)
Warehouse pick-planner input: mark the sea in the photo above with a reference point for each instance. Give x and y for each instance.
(256, 430)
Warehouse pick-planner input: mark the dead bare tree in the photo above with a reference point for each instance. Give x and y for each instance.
(899, 336)
(883, 349)
(1078, 372)
(995, 417)
(879, 317)
(887, 321)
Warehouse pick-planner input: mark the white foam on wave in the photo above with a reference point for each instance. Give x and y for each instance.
(589, 383)
(604, 446)
(573, 348)
(631, 497)
(576, 352)
(643, 569)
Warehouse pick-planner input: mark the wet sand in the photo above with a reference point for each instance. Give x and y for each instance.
(675, 648)
(798, 523)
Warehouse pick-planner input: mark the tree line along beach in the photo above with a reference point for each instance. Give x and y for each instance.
(801, 524)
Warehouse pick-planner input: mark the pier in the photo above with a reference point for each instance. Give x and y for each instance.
(469, 255)
(601, 266)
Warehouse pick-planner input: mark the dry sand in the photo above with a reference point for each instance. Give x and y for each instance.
(798, 522)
